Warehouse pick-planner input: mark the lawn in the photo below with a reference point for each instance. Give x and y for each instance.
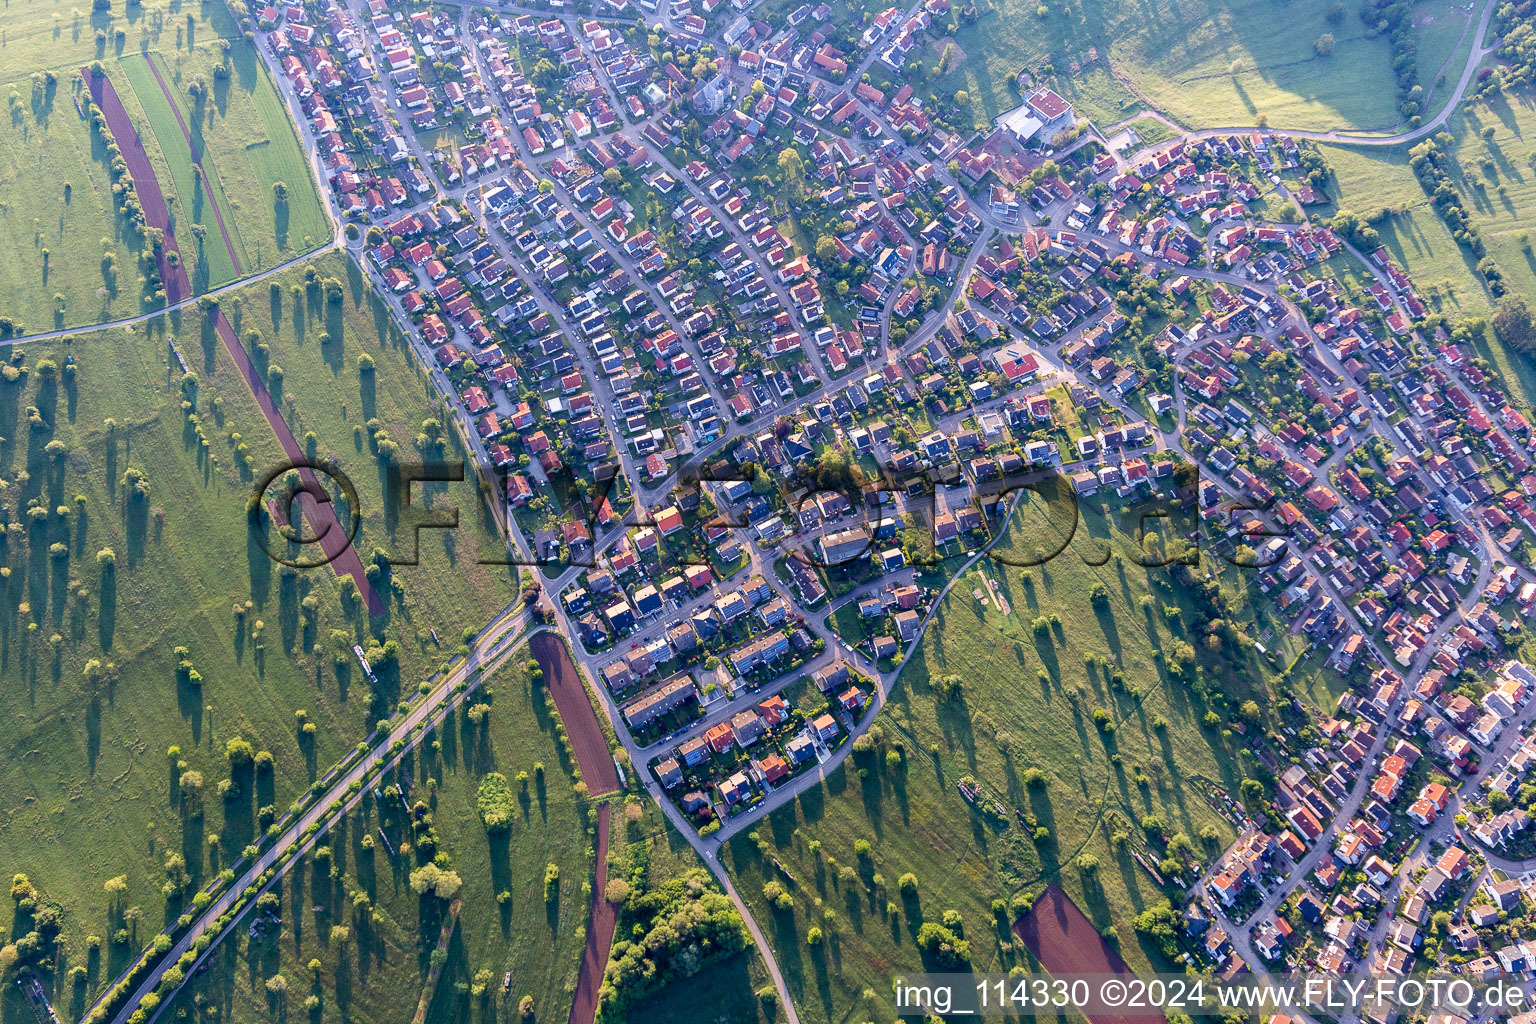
(1006, 727)
(379, 973)
(1179, 56)
(1149, 132)
(56, 196)
(90, 793)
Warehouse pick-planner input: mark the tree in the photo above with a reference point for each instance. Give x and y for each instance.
(280, 193)
(494, 801)
(240, 752)
(1513, 323)
(1324, 44)
(429, 878)
(792, 168)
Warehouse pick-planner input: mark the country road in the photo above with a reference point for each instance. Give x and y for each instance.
(492, 648)
(489, 653)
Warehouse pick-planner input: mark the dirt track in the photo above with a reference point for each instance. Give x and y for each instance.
(1062, 938)
(323, 523)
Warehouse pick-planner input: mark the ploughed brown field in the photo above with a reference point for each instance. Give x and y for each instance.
(1062, 938)
(602, 778)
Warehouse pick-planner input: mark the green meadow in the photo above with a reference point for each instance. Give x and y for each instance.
(1083, 743)
(1206, 64)
(236, 126)
(57, 219)
(1494, 147)
(187, 633)
(380, 967)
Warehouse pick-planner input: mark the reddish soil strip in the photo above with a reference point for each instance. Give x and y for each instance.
(144, 182)
(594, 958)
(197, 159)
(1066, 942)
(323, 523)
(587, 740)
(598, 772)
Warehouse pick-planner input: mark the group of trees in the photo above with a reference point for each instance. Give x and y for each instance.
(678, 928)
(1431, 161)
(494, 802)
(1516, 25)
(1513, 323)
(1394, 19)
(436, 881)
(35, 926)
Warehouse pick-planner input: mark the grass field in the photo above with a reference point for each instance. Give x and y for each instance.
(241, 136)
(241, 132)
(1180, 56)
(318, 345)
(185, 194)
(380, 973)
(1498, 187)
(1369, 179)
(89, 792)
(1497, 182)
(36, 34)
(1027, 705)
(45, 148)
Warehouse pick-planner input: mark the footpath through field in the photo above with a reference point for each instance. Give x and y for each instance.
(322, 518)
(602, 779)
